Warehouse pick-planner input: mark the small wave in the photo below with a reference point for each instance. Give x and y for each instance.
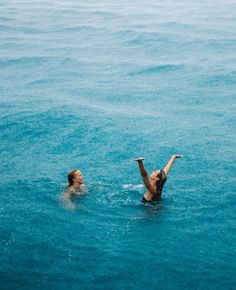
(157, 69)
(179, 26)
(19, 28)
(105, 14)
(41, 82)
(222, 43)
(135, 37)
(150, 38)
(132, 186)
(4, 27)
(25, 61)
(78, 28)
(127, 33)
(226, 79)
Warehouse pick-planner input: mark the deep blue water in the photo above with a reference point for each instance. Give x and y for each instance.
(92, 85)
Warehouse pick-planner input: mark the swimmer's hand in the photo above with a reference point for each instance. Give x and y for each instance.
(178, 156)
(139, 159)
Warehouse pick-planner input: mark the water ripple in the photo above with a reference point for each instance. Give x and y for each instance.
(158, 69)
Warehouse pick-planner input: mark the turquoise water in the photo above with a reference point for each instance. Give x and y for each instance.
(92, 85)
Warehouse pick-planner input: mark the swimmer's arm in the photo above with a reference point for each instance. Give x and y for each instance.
(144, 174)
(66, 197)
(83, 189)
(171, 162)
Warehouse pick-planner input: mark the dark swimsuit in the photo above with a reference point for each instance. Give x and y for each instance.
(145, 201)
(159, 186)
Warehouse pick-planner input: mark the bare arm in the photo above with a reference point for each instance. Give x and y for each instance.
(171, 162)
(144, 174)
(66, 200)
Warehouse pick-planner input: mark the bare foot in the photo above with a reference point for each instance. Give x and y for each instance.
(139, 159)
(178, 156)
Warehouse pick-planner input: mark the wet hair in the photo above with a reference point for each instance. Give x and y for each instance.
(71, 176)
(161, 181)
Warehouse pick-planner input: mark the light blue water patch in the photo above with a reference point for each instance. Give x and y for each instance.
(92, 85)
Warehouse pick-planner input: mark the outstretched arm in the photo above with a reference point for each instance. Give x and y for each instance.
(144, 174)
(171, 162)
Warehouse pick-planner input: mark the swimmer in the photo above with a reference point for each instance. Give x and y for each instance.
(76, 181)
(155, 182)
(75, 187)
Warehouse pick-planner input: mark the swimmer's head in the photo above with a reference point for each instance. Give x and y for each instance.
(157, 178)
(75, 178)
(155, 175)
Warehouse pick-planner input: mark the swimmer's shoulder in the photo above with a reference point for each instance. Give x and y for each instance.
(79, 191)
(83, 188)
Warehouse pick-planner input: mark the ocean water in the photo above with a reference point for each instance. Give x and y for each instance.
(92, 85)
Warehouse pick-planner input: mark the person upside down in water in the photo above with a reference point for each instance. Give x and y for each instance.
(155, 182)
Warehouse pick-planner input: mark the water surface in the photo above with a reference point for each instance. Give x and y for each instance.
(92, 85)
